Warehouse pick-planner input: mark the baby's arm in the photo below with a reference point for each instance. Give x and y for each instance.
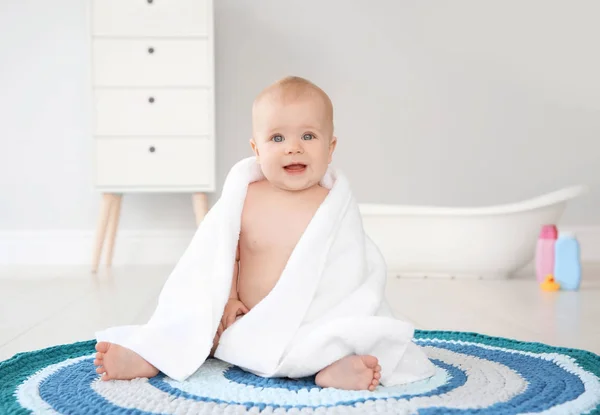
(233, 295)
(234, 306)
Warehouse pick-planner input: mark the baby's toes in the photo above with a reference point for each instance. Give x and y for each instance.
(102, 347)
(377, 375)
(98, 362)
(373, 384)
(100, 370)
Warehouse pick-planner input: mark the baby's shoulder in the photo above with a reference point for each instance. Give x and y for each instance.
(254, 204)
(256, 188)
(255, 194)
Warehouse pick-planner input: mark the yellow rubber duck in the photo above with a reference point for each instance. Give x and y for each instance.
(549, 284)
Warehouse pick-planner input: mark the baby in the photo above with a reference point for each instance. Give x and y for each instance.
(293, 141)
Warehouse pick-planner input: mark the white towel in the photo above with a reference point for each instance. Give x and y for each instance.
(328, 303)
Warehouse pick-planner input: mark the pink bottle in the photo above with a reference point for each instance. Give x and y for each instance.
(544, 255)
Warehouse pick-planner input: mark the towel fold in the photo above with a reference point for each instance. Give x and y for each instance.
(328, 303)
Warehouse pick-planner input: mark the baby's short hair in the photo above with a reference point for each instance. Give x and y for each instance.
(291, 88)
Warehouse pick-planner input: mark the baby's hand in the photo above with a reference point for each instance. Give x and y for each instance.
(233, 308)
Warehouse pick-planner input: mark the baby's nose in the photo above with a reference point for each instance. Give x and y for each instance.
(294, 148)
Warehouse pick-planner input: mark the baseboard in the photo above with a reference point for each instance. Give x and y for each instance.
(76, 247)
(139, 247)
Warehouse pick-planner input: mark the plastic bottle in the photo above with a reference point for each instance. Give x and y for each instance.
(567, 263)
(544, 255)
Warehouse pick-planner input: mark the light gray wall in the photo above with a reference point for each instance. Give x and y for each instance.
(455, 103)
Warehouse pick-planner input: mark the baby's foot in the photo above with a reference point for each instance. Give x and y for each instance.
(351, 373)
(117, 362)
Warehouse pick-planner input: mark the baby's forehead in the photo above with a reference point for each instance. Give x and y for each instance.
(304, 111)
(285, 97)
(310, 102)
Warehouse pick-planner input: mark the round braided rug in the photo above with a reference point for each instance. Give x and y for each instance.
(475, 374)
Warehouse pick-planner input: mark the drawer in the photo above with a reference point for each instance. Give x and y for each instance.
(160, 18)
(151, 62)
(145, 162)
(151, 112)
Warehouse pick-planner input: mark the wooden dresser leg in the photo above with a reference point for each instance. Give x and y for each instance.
(107, 200)
(113, 225)
(200, 201)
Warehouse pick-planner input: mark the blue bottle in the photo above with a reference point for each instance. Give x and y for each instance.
(567, 265)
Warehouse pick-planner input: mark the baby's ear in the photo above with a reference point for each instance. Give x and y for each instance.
(254, 148)
(332, 145)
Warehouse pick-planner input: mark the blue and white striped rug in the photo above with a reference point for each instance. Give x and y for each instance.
(475, 374)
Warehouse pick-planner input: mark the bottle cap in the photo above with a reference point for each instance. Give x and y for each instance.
(567, 234)
(549, 232)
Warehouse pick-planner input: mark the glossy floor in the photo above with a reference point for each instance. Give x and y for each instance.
(41, 307)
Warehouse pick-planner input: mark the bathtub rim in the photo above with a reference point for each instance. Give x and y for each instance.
(545, 200)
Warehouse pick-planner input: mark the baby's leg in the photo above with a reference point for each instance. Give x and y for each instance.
(351, 373)
(118, 362)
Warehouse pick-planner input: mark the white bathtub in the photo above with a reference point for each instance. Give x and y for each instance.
(486, 242)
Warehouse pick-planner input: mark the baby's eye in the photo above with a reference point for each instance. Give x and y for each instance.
(277, 138)
(308, 136)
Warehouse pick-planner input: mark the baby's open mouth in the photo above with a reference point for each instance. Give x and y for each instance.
(295, 168)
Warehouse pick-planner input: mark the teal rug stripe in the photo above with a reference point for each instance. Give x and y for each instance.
(13, 373)
(587, 360)
(16, 370)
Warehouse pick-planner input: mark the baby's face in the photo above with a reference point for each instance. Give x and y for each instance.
(293, 142)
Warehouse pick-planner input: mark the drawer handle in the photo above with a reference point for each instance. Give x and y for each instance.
(152, 149)
(150, 50)
(151, 100)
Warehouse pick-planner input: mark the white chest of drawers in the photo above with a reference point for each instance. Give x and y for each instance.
(153, 104)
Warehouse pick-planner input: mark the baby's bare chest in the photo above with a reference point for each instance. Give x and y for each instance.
(271, 229)
(273, 222)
